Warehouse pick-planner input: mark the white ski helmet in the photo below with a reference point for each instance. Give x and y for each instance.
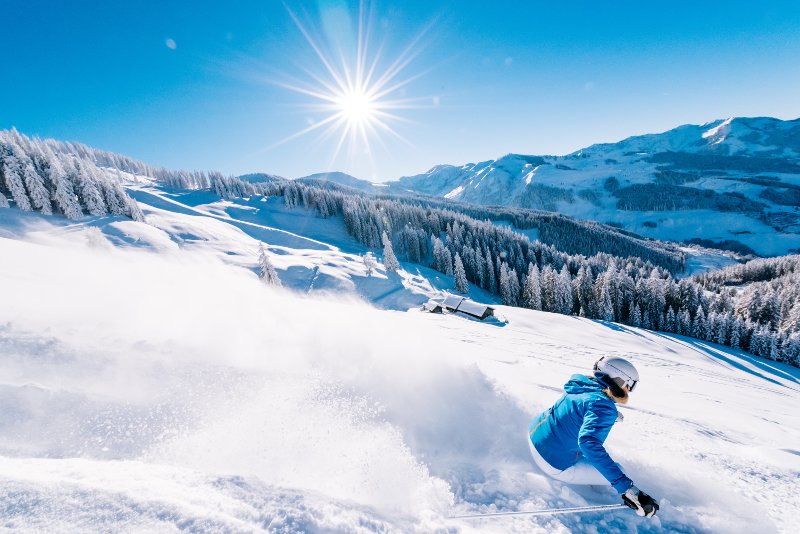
(621, 371)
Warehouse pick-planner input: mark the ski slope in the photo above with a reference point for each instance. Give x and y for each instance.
(149, 382)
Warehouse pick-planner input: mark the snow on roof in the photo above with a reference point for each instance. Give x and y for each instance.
(452, 301)
(465, 305)
(473, 308)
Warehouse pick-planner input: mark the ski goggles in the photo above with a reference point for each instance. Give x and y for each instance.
(631, 383)
(625, 378)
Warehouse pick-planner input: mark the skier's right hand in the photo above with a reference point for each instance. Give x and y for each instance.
(642, 503)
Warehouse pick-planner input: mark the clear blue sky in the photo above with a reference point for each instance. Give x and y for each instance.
(191, 84)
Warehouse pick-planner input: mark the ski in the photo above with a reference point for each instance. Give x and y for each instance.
(550, 511)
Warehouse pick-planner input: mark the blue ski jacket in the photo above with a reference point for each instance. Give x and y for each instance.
(576, 426)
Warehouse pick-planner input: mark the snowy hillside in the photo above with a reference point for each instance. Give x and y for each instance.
(150, 382)
(731, 182)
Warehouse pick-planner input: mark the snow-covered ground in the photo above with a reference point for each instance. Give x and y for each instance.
(150, 382)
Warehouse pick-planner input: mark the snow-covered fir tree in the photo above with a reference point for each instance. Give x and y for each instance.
(564, 299)
(736, 333)
(670, 325)
(699, 324)
(532, 291)
(583, 288)
(389, 259)
(605, 307)
(636, 316)
(266, 271)
(460, 276)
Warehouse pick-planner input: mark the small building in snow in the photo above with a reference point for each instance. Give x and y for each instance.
(458, 304)
(475, 309)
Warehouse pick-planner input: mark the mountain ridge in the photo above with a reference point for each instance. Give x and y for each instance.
(729, 180)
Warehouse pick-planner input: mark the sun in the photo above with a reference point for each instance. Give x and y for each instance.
(357, 107)
(358, 97)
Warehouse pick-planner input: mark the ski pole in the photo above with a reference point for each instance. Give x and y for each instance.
(550, 511)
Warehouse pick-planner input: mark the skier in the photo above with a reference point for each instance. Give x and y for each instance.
(566, 440)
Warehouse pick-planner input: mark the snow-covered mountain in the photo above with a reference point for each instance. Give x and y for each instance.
(150, 382)
(341, 178)
(732, 182)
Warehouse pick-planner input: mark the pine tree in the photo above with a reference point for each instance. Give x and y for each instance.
(114, 197)
(548, 283)
(266, 271)
(448, 262)
(564, 291)
(583, 288)
(699, 326)
(12, 172)
(604, 304)
(670, 325)
(38, 193)
(491, 279)
(792, 350)
(369, 263)
(656, 298)
(685, 323)
(610, 278)
(389, 259)
(87, 189)
(513, 287)
(722, 334)
(133, 210)
(438, 254)
(713, 325)
(635, 316)
(758, 344)
(736, 333)
(771, 351)
(770, 312)
(749, 304)
(791, 320)
(65, 198)
(460, 276)
(480, 269)
(532, 292)
(505, 285)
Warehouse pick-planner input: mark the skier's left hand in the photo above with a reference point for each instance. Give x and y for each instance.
(642, 503)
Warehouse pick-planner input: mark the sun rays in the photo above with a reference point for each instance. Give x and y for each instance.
(355, 97)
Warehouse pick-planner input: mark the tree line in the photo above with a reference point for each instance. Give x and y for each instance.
(762, 318)
(37, 178)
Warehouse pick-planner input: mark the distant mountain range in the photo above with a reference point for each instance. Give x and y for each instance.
(732, 183)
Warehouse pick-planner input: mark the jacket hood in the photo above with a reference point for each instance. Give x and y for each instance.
(582, 384)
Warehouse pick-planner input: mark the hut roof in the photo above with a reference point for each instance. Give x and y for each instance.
(461, 304)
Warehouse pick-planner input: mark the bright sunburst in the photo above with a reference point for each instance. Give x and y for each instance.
(357, 97)
(356, 107)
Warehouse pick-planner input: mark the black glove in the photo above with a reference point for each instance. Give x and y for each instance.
(642, 503)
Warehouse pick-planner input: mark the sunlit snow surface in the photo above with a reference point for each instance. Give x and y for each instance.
(149, 382)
